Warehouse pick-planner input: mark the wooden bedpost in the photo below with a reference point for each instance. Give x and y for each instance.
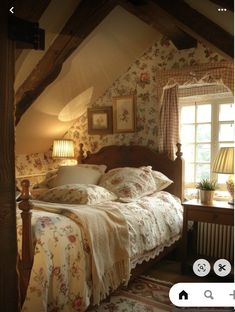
(80, 154)
(180, 168)
(27, 242)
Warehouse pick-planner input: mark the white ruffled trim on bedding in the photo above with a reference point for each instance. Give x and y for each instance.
(153, 253)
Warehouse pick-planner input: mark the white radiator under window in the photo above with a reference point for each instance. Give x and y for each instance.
(216, 241)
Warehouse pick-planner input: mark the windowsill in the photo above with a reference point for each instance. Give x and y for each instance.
(192, 193)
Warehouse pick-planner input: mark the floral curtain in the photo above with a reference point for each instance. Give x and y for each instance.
(167, 96)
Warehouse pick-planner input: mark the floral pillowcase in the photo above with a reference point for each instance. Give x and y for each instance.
(77, 194)
(161, 180)
(129, 183)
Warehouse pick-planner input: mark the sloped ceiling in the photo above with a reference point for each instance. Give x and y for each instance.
(121, 37)
(104, 55)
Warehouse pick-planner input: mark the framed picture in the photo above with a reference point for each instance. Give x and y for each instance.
(124, 114)
(100, 120)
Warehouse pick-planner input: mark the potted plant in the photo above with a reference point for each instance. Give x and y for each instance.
(207, 188)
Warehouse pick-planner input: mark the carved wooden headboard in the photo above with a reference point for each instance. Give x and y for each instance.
(115, 156)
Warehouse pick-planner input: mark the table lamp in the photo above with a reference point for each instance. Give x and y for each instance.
(63, 149)
(224, 163)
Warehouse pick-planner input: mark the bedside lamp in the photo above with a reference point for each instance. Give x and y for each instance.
(63, 149)
(224, 163)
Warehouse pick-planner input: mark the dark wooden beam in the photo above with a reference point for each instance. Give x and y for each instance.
(29, 10)
(198, 26)
(227, 4)
(86, 17)
(9, 296)
(150, 13)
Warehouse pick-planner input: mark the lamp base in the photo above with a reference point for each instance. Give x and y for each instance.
(230, 188)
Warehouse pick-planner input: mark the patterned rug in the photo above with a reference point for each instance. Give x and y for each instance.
(143, 294)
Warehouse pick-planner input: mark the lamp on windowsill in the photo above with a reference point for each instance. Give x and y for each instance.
(63, 149)
(224, 163)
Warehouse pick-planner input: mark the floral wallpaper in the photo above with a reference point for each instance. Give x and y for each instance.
(140, 80)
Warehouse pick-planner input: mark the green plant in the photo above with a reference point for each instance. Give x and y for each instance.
(206, 184)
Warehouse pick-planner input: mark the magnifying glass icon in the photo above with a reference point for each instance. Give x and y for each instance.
(208, 294)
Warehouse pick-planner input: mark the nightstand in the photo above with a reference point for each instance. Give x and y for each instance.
(218, 213)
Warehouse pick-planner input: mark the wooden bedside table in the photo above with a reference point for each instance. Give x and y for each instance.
(218, 213)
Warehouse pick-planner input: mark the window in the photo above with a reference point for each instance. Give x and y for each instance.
(206, 125)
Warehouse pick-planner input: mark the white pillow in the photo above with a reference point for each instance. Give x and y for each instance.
(47, 181)
(77, 194)
(161, 180)
(101, 168)
(76, 175)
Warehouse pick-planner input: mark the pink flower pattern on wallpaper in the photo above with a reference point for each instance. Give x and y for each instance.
(140, 77)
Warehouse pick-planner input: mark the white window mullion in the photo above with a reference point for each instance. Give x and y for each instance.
(214, 144)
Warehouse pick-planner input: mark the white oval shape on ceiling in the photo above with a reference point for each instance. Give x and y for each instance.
(77, 106)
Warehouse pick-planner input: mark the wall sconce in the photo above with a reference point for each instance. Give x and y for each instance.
(224, 163)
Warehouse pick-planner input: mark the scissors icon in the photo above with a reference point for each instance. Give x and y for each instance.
(222, 267)
(208, 294)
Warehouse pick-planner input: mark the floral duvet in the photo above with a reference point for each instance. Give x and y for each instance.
(61, 277)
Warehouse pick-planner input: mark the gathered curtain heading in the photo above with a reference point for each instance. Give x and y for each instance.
(168, 84)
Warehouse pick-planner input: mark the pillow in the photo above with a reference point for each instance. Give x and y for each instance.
(161, 180)
(50, 176)
(129, 183)
(100, 168)
(76, 175)
(89, 194)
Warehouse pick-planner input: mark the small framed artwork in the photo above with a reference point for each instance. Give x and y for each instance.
(124, 114)
(100, 120)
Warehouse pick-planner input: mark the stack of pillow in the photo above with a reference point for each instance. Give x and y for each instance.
(89, 184)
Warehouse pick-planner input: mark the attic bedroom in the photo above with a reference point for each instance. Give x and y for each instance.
(122, 106)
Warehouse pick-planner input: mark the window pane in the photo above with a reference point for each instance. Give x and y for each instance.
(188, 114)
(204, 133)
(226, 112)
(203, 152)
(202, 172)
(226, 132)
(222, 178)
(189, 172)
(187, 133)
(204, 113)
(188, 152)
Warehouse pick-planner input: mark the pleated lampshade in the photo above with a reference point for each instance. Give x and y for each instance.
(63, 149)
(224, 161)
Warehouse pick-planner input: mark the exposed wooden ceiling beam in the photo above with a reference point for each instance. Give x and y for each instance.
(151, 14)
(198, 26)
(227, 4)
(29, 10)
(86, 17)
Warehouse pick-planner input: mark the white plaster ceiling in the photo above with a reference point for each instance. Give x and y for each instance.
(103, 56)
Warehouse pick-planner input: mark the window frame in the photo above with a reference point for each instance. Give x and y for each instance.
(215, 102)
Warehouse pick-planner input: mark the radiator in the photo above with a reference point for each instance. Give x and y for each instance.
(216, 241)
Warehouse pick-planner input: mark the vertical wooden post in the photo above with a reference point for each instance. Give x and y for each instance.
(9, 289)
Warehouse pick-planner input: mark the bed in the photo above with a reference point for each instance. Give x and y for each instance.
(65, 250)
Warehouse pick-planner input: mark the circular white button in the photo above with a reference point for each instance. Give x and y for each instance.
(222, 267)
(201, 267)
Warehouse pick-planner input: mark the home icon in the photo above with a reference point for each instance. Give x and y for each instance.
(183, 295)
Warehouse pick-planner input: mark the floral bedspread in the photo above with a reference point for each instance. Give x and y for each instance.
(61, 274)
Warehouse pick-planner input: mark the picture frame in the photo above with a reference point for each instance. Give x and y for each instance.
(100, 120)
(124, 114)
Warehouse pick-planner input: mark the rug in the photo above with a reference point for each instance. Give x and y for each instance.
(143, 294)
